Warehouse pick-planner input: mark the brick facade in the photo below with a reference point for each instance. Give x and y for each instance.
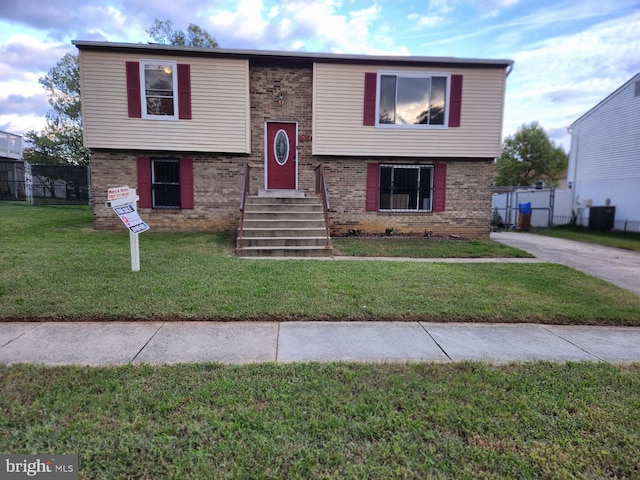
(283, 92)
(468, 199)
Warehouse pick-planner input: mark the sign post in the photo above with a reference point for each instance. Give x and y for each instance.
(123, 201)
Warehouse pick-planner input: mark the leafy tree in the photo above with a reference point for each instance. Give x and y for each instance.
(528, 156)
(61, 139)
(164, 33)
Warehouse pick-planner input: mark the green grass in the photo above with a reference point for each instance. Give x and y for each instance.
(55, 266)
(443, 421)
(628, 241)
(446, 421)
(424, 248)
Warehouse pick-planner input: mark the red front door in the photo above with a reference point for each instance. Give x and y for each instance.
(281, 152)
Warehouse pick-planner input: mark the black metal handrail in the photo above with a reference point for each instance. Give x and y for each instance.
(321, 188)
(243, 199)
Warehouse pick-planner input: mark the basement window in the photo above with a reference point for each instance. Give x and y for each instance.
(165, 183)
(406, 187)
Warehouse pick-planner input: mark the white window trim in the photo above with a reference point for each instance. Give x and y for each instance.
(143, 92)
(407, 73)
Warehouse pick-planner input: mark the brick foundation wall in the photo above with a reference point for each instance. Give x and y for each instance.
(217, 186)
(468, 200)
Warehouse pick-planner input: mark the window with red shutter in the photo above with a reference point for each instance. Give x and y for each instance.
(412, 100)
(158, 90)
(165, 183)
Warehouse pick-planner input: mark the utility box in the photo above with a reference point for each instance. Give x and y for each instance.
(601, 219)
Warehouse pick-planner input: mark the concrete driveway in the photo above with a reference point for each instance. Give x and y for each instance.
(615, 265)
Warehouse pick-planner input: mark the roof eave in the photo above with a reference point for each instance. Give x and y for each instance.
(293, 56)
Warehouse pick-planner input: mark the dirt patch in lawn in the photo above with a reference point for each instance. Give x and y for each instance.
(308, 318)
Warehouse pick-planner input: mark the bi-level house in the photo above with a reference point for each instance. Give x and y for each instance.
(405, 143)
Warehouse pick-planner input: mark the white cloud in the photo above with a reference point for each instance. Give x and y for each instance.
(442, 7)
(492, 8)
(245, 22)
(20, 124)
(317, 25)
(422, 21)
(325, 28)
(561, 78)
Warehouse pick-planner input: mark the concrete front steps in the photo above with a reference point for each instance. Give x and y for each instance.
(283, 226)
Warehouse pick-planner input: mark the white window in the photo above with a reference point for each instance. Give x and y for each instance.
(412, 99)
(159, 89)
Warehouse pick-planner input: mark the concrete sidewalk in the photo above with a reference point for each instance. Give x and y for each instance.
(117, 343)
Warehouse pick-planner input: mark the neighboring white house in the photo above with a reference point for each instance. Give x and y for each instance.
(11, 167)
(604, 162)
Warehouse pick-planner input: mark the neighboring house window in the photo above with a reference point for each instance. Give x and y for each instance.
(405, 187)
(412, 99)
(159, 89)
(165, 183)
(419, 188)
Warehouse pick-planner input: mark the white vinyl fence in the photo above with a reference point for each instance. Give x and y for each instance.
(549, 207)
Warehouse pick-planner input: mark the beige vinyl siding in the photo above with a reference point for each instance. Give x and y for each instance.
(219, 105)
(338, 107)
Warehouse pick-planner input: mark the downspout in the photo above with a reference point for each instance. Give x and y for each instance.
(574, 146)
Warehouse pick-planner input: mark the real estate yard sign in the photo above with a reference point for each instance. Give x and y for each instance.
(123, 201)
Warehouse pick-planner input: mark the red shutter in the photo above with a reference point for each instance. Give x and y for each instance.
(134, 102)
(369, 112)
(186, 183)
(144, 181)
(184, 91)
(439, 187)
(373, 174)
(455, 103)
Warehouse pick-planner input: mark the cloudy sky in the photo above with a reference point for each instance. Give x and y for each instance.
(569, 54)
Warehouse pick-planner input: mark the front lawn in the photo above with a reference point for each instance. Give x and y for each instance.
(55, 266)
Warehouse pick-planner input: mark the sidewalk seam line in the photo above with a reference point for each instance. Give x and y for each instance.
(147, 342)
(435, 341)
(575, 345)
(23, 334)
(278, 342)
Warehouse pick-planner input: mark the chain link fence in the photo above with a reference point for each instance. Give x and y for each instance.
(44, 184)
